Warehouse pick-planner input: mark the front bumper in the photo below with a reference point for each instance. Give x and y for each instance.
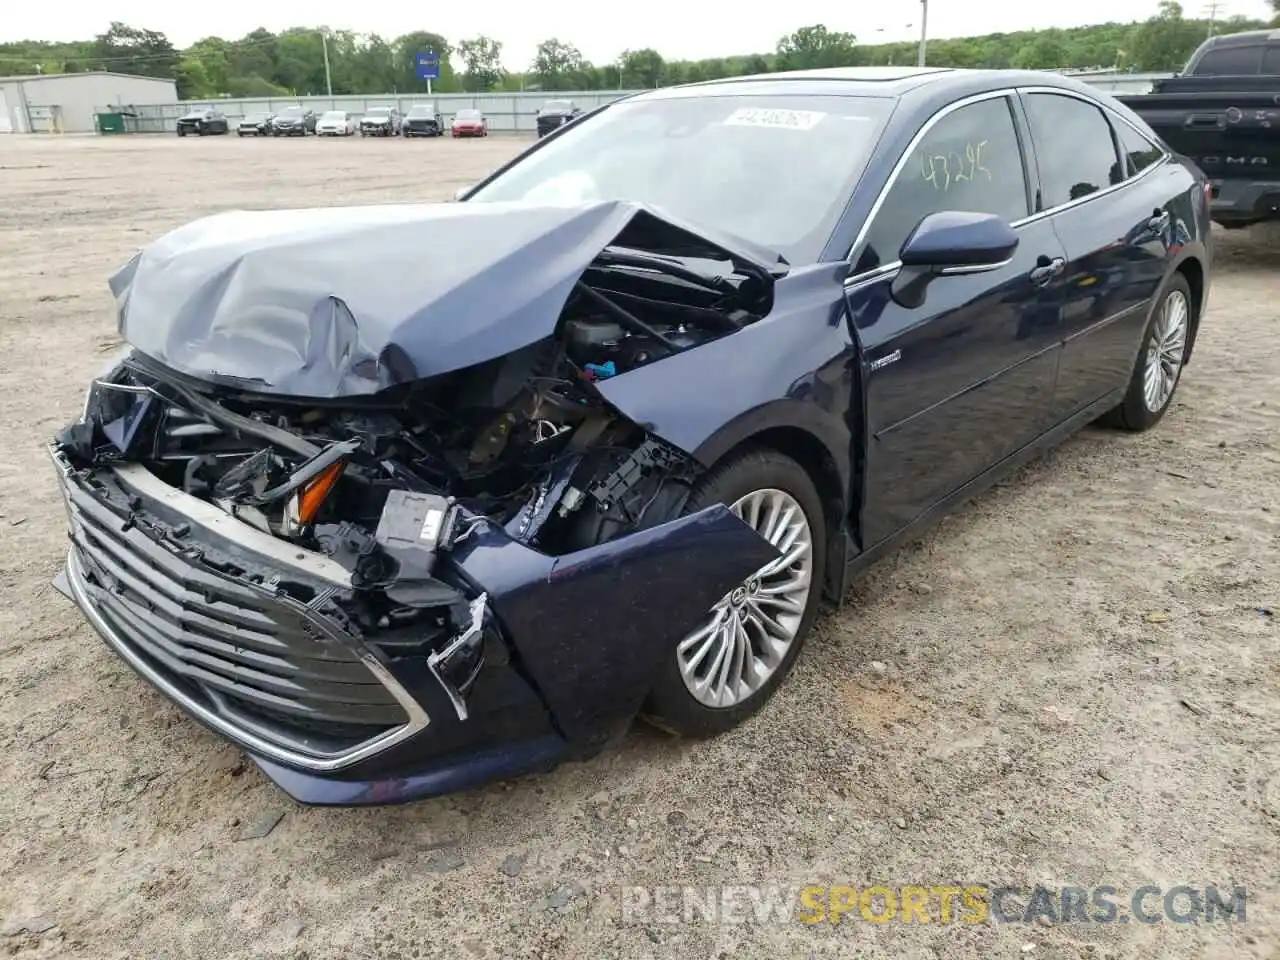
(376, 129)
(245, 633)
(546, 125)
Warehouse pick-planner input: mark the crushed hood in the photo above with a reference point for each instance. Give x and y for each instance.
(344, 301)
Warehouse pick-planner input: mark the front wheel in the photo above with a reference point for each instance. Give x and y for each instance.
(727, 667)
(1160, 359)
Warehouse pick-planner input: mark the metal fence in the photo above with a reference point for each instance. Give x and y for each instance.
(506, 112)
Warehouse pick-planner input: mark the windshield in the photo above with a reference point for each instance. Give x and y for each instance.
(468, 114)
(379, 112)
(774, 170)
(291, 112)
(422, 112)
(334, 115)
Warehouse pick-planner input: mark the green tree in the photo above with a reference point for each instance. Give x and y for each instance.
(127, 49)
(641, 69)
(482, 60)
(752, 65)
(814, 47)
(1166, 40)
(557, 65)
(1045, 52)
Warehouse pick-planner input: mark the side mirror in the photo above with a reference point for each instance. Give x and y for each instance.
(951, 243)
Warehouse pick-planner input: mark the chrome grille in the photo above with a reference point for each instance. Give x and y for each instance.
(264, 663)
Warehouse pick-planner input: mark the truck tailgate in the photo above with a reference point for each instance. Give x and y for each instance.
(1228, 134)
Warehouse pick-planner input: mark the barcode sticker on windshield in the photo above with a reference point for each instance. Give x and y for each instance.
(760, 117)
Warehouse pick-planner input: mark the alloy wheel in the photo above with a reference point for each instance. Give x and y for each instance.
(1165, 352)
(750, 630)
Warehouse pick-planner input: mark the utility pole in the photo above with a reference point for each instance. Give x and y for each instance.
(328, 79)
(924, 31)
(1211, 11)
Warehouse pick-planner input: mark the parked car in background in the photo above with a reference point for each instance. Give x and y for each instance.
(1223, 111)
(655, 390)
(381, 122)
(255, 124)
(202, 121)
(422, 120)
(336, 123)
(555, 114)
(469, 123)
(294, 121)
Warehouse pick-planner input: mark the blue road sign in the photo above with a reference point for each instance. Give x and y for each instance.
(427, 65)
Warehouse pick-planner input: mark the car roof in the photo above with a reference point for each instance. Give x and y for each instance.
(1249, 38)
(926, 83)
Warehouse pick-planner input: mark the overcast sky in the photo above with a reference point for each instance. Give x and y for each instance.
(678, 29)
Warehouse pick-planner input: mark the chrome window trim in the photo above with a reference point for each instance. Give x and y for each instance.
(1108, 113)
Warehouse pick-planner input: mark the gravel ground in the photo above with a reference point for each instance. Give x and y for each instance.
(1072, 681)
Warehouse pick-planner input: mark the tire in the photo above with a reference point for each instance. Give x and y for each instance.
(1136, 412)
(181, 132)
(671, 704)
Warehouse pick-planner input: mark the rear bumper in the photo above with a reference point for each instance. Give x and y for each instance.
(568, 646)
(1242, 202)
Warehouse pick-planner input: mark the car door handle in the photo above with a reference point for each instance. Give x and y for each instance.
(1046, 269)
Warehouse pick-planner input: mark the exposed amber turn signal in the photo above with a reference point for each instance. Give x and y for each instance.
(315, 493)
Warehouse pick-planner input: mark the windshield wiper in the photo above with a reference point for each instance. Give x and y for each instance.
(623, 257)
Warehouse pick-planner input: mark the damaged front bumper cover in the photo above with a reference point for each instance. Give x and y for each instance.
(246, 633)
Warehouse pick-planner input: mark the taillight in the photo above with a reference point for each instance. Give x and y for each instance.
(1208, 193)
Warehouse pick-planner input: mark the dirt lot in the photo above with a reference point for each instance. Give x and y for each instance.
(1073, 681)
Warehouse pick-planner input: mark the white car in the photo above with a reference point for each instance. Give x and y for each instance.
(336, 123)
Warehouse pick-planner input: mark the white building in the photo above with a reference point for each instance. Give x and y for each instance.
(66, 102)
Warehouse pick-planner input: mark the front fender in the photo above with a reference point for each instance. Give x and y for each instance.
(791, 413)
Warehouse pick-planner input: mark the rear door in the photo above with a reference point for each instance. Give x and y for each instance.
(1116, 227)
(956, 385)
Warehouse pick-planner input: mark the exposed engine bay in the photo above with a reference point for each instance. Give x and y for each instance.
(524, 440)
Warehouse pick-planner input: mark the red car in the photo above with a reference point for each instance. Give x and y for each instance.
(470, 123)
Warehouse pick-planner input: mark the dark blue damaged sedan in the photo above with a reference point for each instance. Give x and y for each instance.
(400, 499)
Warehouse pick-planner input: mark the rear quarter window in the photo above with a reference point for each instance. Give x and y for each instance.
(1230, 62)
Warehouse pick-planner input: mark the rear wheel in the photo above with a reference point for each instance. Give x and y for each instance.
(729, 665)
(1159, 365)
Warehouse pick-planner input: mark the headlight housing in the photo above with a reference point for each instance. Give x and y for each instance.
(109, 373)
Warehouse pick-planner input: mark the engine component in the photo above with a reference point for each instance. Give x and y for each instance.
(413, 526)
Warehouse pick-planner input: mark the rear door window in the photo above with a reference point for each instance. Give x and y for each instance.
(1075, 153)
